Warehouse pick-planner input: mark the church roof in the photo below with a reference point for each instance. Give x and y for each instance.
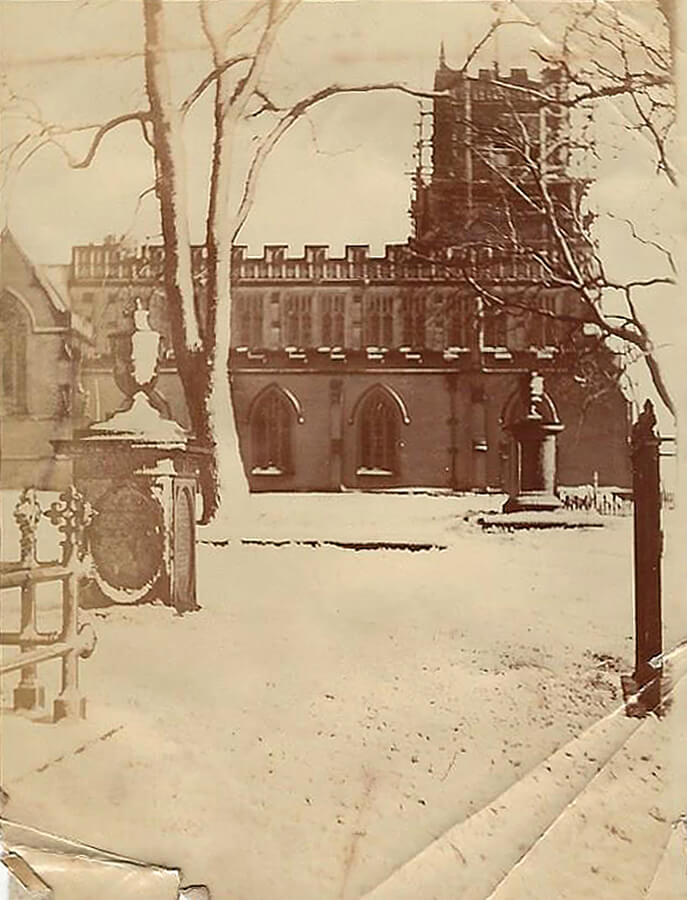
(54, 282)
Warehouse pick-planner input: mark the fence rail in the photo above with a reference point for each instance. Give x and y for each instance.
(607, 501)
(72, 641)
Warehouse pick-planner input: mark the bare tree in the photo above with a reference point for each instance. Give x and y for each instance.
(200, 319)
(202, 337)
(522, 231)
(198, 304)
(240, 52)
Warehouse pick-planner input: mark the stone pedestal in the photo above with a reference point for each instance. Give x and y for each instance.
(29, 697)
(537, 465)
(140, 471)
(534, 426)
(143, 489)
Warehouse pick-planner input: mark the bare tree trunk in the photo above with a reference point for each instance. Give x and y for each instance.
(170, 184)
(202, 360)
(230, 486)
(669, 10)
(229, 477)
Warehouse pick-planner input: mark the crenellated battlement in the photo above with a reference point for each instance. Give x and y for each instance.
(546, 77)
(112, 263)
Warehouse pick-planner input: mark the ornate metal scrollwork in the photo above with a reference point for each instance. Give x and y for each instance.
(72, 514)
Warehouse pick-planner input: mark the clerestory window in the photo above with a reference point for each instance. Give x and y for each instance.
(378, 321)
(248, 312)
(333, 320)
(297, 320)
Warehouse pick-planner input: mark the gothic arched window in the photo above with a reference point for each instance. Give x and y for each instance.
(14, 327)
(271, 421)
(378, 435)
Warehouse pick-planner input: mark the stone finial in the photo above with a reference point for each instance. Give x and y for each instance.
(644, 429)
(535, 395)
(145, 348)
(140, 316)
(27, 515)
(136, 355)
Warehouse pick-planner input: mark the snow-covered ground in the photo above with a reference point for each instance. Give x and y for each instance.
(329, 712)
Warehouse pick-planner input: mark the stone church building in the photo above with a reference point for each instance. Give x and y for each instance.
(348, 372)
(42, 340)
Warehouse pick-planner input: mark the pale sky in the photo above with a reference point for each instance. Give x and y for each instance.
(347, 184)
(342, 176)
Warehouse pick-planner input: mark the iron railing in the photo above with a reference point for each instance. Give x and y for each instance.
(70, 514)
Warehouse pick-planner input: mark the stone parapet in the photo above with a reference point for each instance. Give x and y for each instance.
(113, 264)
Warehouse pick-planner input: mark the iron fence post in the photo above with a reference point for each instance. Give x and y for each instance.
(69, 704)
(72, 515)
(28, 694)
(643, 688)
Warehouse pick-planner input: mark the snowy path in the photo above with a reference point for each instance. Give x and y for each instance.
(328, 713)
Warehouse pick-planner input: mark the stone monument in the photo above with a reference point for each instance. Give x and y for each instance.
(140, 470)
(535, 429)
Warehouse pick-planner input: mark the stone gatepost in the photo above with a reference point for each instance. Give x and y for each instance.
(140, 470)
(535, 432)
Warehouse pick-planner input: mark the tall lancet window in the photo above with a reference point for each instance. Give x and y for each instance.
(271, 422)
(378, 435)
(14, 327)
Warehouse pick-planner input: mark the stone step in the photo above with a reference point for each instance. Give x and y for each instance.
(549, 834)
(670, 879)
(609, 841)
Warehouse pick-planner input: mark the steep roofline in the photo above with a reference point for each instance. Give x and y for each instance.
(59, 302)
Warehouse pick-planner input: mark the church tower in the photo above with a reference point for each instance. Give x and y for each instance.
(490, 133)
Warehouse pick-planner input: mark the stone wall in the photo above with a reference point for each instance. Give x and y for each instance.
(325, 445)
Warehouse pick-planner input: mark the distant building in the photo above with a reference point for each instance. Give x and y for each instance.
(367, 372)
(41, 341)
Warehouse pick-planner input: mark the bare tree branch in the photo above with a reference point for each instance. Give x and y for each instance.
(647, 241)
(212, 77)
(268, 143)
(138, 116)
(243, 21)
(488, 35)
